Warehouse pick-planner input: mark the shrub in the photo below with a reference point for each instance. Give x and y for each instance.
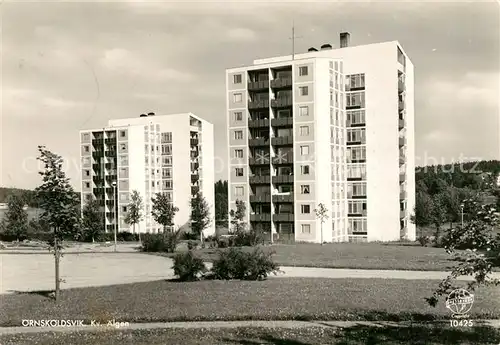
(188, 267)
(188, 236)
(238, 264)
(423, 240)
(247, 238)
(153, 243)
(191, 244)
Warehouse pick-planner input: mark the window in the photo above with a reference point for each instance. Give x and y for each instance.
(355, 117)
(304, 209)
(166, 172)
(305, 228)
(123, 160)
(167, 184)
(122, 134)
(146, 148)
(86, 148)
(304, 189)
(304, 130)
(304, 111)
(356, 207)
(303, 70)
(304, 150)
(123, 146)
(238, 153)
(237, 79)
(166, 149)
(86, 136)
(87, 184)
(356, 99)
(304, 90)
(304, 169)
(356, 154)
(356, 189)
(238, 191)
(166, 160)
(355, 81)
(123, 197)
(124, 208)
(356, 135)
(239, 172)
(87, 172)
(237, 98)
(238, 116)
(238, 135)
(86, 160)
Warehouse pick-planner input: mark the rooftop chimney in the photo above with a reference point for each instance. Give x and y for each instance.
(345, 37)
(151, 114)
(312, 49)
(142, 115)
(326, 47)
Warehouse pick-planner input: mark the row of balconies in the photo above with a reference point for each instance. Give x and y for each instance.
(279, 141)
(267, 197)
(275, 103)
(264, 123)
(268, 179)
(266, 217)
(194, 142)
(275, 83)
(285, 158)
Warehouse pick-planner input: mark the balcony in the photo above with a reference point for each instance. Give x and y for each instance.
(401, 124)
(283, 179)
(402, 177)
(259, 160)
(110, 202)
(401, 85)
(258, 142)
(282, 102)
(402, 159)
(402, 141)
(110, 153)
(98, 154)
(260, 198)
(283, 158)
(285, 197)
(282, 141)
(402, 214)
(282, 122)
(110, 141)
(111, 178)
(110, 165)
(97, 142)
(402, 195)
(258, 85)
(194, 142)
(401, 105)
(263, 104)
(194, 190)
(281, 82)
(194, 178)
(258, 123)
(259, 179)
(110, 190)
(262, 217)
(283, 217)
(357, 214)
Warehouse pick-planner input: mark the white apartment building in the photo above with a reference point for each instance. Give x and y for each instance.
(330, 126)
(172, 154)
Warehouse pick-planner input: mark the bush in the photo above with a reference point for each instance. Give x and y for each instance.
(188, 267)
(191, 244)
(247, 238)
(423, 240)
(188, 236)
(238, 264)
(160, 242)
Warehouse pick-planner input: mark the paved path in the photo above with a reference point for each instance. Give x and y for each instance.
(229, 324)
(36, 272)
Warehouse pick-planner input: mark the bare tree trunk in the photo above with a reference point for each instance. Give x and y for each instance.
(56, 256)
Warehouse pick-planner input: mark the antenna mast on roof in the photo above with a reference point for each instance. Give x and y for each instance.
(293, 40)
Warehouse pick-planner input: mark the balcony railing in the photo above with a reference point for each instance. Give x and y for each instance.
(401, 105)
(258, 123)
(258, 142)
(97, 142)
(401, 124)
(259, 160)
(110, 153)
(358, 141)
(260, 198)
(261, 217)
(283, 197)
(98, 154)
(262, 104)
(281, 141)
(194, 190)
(283, 158)
(258, 85)
(402, 195)
(402, 177)
(110, 141)
(281, 102)
(283, 217)
(283, 179)
(402, 141)
(281, 82)
(194, 142)
(194, 178)
(401, 85)
(259, 179)
(402, 214)
(282, 122)
(362, 213)
(110, 202)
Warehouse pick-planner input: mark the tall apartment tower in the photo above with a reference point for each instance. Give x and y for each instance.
(330, 126)
(171, 154)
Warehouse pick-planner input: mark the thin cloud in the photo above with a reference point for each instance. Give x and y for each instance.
(241, 34)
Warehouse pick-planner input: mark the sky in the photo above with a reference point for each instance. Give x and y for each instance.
(68, 66)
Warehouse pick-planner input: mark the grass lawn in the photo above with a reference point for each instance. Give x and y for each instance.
(355, 255)
(274, 299)
(357, 335)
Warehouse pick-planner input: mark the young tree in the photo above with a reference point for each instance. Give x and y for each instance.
(439, 214)
(221, 200)
(423, 210)
(16, 218)
(59, 203)
(200, 215)
(322, 215)
(135, 211)
(163, 211)
(92, 223)
(238, 216)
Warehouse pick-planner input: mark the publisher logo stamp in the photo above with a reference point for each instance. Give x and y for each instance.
(460, 302)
